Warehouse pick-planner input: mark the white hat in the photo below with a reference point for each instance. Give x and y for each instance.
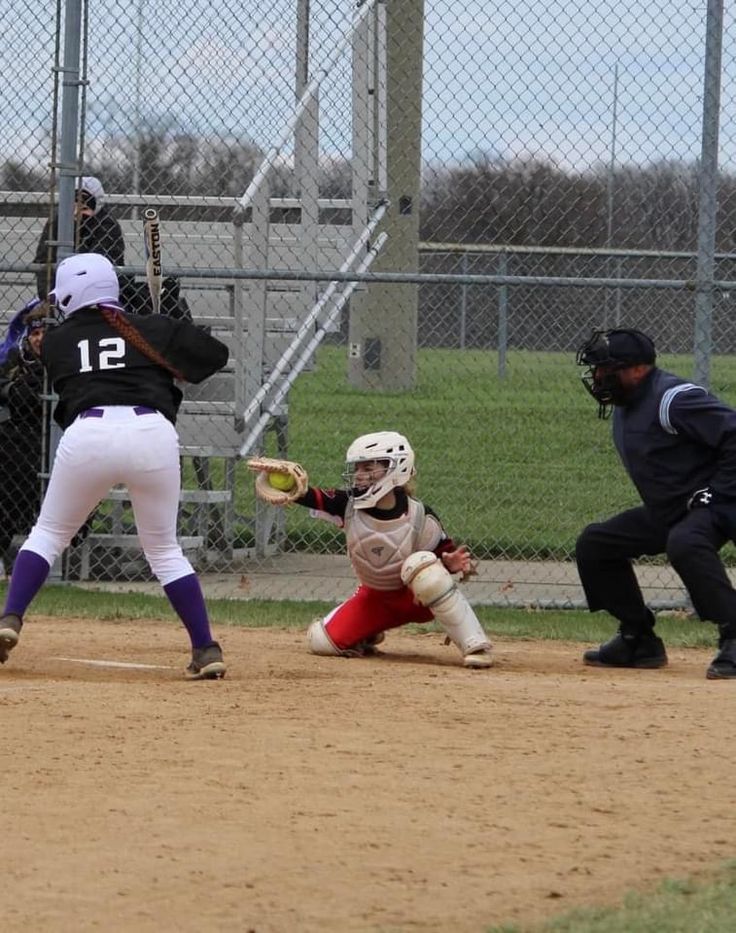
(93, 187)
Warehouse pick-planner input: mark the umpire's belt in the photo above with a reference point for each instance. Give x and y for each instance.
(99, 412)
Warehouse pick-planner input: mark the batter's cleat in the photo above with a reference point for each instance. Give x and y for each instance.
(10, 626)
(479, 659)
(206, 663)
(723, 665)
(640, 651)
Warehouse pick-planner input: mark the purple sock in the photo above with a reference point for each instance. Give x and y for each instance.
(185, 595)
(29, 573)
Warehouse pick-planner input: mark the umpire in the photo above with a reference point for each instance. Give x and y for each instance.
(678, 445)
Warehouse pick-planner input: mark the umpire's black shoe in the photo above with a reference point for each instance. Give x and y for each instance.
(723, 664)
(10, 626)
(643, 651)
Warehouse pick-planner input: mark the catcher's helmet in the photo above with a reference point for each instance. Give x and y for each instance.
(606, 353)
(84, 280)
(388, 446)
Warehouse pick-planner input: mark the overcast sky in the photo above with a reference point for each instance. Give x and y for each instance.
(511, 78)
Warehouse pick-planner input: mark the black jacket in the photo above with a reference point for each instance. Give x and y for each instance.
(99, 233)
(674, 438)
(89, 363)
(20, 397)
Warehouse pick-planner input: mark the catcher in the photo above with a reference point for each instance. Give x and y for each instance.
(398, 548)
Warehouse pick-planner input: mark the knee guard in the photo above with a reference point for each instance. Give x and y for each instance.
(433, 586)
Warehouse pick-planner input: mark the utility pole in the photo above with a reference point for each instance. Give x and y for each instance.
(383, 318)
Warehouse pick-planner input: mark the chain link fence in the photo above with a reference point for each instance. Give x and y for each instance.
(399, 215)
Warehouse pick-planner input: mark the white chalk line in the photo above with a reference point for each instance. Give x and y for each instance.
(127, 665)
(16, 688)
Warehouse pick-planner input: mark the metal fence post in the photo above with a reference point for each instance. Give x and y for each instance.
(702, 337)
(503, 316)
(68, 170)
(463, 302)
(68, 153)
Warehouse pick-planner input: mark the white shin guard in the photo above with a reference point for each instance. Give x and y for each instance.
(433, 586)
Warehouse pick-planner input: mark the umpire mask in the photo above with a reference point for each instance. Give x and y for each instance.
(607, 353)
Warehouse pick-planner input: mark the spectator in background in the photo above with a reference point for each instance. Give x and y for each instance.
(95, 231)
(136, 298)
(11, 342)
(21, 424)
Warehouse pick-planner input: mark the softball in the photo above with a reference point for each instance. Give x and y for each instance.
(282, 481)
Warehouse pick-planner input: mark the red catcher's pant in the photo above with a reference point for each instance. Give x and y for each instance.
(370, 611)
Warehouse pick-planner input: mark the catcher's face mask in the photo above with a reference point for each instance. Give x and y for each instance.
(375, 464)
(607, 354)
(360, 474)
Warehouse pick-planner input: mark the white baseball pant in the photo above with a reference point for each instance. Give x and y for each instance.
(95, 453)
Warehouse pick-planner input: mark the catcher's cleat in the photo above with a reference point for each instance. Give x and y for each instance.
(206, 663)
(723, 665)
(641, 651)
(479, 659)
(369, 646)
(10, 626)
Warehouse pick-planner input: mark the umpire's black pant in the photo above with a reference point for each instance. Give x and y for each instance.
(605, 550)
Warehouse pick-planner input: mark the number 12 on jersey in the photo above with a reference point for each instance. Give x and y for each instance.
(109, 353)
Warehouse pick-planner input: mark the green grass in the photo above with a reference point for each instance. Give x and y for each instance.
(494, 458)
(70, 600)
(558, 625)
(514, 468)
(679, 906)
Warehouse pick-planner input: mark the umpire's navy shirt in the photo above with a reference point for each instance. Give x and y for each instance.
(674, 438)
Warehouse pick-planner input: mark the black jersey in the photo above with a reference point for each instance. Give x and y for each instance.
(89, 363)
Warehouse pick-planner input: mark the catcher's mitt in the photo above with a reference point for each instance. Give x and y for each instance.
(278, 482)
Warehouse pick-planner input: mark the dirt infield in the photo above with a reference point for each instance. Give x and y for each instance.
(400, 793)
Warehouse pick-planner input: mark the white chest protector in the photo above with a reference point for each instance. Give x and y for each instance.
(377, 548)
